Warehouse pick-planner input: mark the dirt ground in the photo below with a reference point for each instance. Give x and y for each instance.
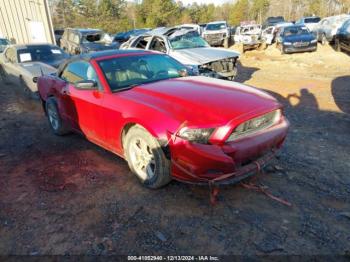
(64, 195)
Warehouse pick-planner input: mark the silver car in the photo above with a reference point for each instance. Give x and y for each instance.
(190, 49)
(22, 64)
(328, 27)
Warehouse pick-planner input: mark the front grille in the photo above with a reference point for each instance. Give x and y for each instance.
(254, 125)
(214, 37)
(301, 44)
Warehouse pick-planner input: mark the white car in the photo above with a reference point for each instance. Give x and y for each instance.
(23, 64)
(217, 34)
(190, 49)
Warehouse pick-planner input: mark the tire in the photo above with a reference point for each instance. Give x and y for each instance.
(226, 43)
(55, 121)
(3, 76)
(146, 158)
(323, 39)
(337, 45)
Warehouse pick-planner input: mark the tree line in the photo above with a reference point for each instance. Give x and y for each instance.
(121, 15)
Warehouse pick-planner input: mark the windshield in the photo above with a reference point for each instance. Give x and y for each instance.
(212, 27)
(290, 31)
(188, 40)
(3, 44)
(91, 38)
(41, 54)
(312, 20)
(128, 71)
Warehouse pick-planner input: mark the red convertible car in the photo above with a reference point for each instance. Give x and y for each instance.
(144, 107)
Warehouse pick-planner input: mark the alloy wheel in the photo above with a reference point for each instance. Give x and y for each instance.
(53, 116)
(142, 158)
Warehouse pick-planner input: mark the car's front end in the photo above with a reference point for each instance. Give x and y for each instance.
(219, 131)
(208, 61)
(216, 33)
(230, 153)
(215, 38)
(298, 46)
(296, 39)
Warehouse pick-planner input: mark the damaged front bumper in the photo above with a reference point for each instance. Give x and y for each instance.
(228, 163)
(223, 69)
(215, 39)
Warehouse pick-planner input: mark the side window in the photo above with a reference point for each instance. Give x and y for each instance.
(70, 36)
(142, 42)
(76, 38)
(79, 71)
(158, 44)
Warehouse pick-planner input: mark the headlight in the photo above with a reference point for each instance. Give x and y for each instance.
(200, 135)
(256, 124)
(314, 41)
(287, 43)
(193, 69)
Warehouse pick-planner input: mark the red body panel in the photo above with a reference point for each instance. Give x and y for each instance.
(162, 107)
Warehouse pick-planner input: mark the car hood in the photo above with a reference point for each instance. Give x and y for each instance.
(37, 68)
(203, 55)
(298, 38)
(202, 101)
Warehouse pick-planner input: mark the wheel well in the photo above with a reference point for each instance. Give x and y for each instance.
(163, 145)
(43, 103)
(126, 129)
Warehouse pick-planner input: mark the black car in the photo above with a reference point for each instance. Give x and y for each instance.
(273, 20)
(293, 39)
(342, 38)
(79, 41)
(125, 36)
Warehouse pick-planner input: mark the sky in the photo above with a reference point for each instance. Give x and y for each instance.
(216, 2)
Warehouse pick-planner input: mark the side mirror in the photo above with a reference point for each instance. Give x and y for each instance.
(86, 85)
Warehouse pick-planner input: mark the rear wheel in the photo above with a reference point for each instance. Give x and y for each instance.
(337, 45)
(55, 120)
(3, 76)
(146, 158)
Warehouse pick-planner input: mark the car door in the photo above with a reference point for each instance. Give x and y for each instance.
(83, 106)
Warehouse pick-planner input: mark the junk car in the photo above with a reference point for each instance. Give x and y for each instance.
(143, 107)
(78, 41)
(189, 48)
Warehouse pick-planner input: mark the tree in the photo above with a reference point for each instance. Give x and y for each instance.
(259, 9)
(240, 12)
(64, 13)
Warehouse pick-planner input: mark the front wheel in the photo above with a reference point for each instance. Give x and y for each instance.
(324, 39)
(56, 123)
(146, 158)
(337, 45)
(3, 75)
